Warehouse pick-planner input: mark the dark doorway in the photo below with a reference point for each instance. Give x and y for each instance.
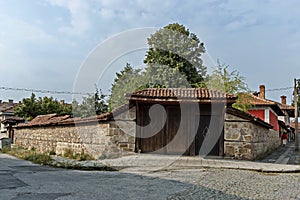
(213, 135)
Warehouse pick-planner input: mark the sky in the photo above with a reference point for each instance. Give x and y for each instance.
(45, 44)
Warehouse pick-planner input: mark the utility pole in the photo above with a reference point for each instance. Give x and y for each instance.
(296, 116)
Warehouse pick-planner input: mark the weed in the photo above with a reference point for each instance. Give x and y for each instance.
(52, 152)
(30, 155)
(69, 153)
(5, 149)
(39, 158)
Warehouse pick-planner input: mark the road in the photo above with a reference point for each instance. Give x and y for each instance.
(23, 180)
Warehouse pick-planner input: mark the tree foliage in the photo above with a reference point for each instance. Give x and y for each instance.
(222, 79)
(174, 61)
(32, 107)
(179, 51)
(128, 80)
(94, 104)
(231, 82)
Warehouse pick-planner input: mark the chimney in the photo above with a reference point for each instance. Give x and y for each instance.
(283, 99)
(10, 102)
(262, 91)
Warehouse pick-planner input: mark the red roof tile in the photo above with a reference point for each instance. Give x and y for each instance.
(257, 101)
(13, 120)
(180, 94)
(7, 107)
(254, 100)
(41, 120)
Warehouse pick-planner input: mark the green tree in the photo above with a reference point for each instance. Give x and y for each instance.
(128, 80)
(94, 104)
(174, 47)
(231, 82)
(32, 107)
(222, 79)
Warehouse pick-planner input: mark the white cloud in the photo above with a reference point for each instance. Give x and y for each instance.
(78, 9)
(19, 31)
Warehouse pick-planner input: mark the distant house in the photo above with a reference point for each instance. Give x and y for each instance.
(288, 111)
(275, 113)
(6, 112)
(263, 108)
(293, 127)
(8, 124)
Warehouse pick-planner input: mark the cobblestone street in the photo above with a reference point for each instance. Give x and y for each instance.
(239, 184)
(23, 180)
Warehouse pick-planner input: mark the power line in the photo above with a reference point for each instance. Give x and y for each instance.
(277, 89)
(42, 91)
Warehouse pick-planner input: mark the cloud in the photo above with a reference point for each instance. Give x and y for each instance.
(19, 31)
(78, 9)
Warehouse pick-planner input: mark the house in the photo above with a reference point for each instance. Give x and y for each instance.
(293, 127)
(263, 108)
(275, 113)
(6, 112)
(8, 124)
(288, 111)
(185, 121)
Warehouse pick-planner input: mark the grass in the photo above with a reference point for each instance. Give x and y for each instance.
(30, 155)
(45, 158)
(69, 153)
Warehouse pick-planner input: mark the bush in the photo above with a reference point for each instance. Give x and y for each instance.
(30, 155)
(5, 150)
(52, 152)
(69, 153)
(38, 158)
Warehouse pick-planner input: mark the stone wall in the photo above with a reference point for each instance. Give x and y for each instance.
(100, 139)
(244, 139)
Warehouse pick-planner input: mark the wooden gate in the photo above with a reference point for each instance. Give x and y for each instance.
(176, 136)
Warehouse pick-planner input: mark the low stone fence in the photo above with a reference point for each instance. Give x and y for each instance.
(100, 137)
(248, 137)
(113, 134)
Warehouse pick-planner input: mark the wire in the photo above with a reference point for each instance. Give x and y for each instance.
(42, 91)
(86, 93)
(277, 89)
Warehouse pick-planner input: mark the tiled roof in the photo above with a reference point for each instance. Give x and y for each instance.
(41, 120)
(180, 94)
(13, 120)
(54, 119)
(7, 107)
(257, 101)
(248, 116)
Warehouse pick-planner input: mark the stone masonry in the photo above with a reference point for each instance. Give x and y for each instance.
(244, 139)
(101, 139)
(114, 135)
